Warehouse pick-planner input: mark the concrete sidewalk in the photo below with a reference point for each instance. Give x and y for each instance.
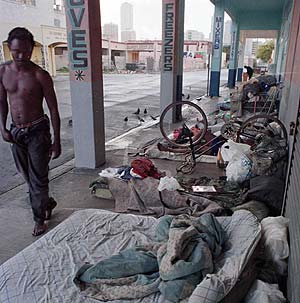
(70, 186)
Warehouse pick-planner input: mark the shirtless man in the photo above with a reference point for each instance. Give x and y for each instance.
(23, 86)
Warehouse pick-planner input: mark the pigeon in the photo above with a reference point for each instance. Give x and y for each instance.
(145, 111)
(70, 122)
(141, 119)
(199, 99)
(126, 119)
(153, 118)
(188, 97)
(137, 111)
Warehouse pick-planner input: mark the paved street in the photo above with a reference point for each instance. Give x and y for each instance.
(123, 94)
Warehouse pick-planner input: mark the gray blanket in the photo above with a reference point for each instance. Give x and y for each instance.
(143, 196)
(174, 265)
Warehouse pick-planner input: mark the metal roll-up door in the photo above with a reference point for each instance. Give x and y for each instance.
(292, 212)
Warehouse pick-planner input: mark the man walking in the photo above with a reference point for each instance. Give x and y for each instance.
(23, 86)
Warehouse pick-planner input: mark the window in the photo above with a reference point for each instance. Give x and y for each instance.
(26, 2)
(57, 22)
(58, 5)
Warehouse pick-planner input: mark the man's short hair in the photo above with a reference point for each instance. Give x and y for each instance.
(20, 33)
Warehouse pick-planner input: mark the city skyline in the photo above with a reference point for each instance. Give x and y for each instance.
(147, 19)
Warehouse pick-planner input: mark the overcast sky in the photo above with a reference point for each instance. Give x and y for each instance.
(147, 16)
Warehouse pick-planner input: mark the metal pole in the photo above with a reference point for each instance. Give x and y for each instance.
(208, 69)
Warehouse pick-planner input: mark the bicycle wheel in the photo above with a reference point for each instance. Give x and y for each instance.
(261, 124)
(182, 122)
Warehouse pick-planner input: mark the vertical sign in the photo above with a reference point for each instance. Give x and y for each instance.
(233, 45)
(217, 36)
(78, 39)
(168, 35)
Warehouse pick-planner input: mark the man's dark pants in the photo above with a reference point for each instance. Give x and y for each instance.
(31, 152)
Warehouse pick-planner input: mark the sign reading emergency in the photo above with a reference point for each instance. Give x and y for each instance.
(168, 35)
(77, 37)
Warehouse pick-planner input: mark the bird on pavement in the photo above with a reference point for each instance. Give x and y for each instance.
(198, 99)
(145, 111)
(188, 97)
(141, 119)
(126, 119)
(137, 111)
(153, 118)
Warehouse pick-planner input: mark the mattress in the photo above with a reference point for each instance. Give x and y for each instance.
(44, 271)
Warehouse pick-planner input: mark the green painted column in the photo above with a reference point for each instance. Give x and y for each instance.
(217, 46)
(233, 58)
(241, 54)
(86, 83)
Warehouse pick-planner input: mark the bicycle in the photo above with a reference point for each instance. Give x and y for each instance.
(183, 125)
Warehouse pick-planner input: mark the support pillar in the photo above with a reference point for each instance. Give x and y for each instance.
(217, 49)
(86, 83)
(242, 44)
(172, 52)
(233, 58)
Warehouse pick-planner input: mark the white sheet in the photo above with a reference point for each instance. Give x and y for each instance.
(44, 271)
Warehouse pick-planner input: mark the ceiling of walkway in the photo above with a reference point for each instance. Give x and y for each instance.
(255, 14)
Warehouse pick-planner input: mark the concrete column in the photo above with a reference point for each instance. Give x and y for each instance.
(217, 48)
(242, 44)
(276, 51)
(109, 53)
(86, 83)
(172, 52)
(233, 58)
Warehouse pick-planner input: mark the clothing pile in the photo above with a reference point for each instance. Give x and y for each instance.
(174, 265)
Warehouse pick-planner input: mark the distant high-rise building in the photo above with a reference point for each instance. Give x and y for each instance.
(127, 31)
(227, 33)
(193, 35)
(110, 31)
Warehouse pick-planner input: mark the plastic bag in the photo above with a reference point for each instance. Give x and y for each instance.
(238, 168)
(168, 183)
(230, 149)
(274, 231)
(262, 292)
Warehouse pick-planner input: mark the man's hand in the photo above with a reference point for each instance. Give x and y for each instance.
(55, 150)
(7, 137)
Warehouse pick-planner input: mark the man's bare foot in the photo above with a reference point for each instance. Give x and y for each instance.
(39, 229)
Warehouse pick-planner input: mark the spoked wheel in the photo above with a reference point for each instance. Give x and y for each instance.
(261, 125)
(182, 123)
(230, 130)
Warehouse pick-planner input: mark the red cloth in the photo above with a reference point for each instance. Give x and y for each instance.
(145, 168)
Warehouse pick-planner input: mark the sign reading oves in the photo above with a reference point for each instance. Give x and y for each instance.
(77, 35)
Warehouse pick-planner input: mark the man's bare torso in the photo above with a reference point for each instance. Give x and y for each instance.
(24, 91)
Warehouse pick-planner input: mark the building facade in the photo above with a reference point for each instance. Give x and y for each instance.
(110, 31)
(127, 30)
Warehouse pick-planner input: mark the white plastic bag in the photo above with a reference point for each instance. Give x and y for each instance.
(262, 292)
(238, 168)
(169, 183)
(230, 149)
(274, 236)
(109, 172)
